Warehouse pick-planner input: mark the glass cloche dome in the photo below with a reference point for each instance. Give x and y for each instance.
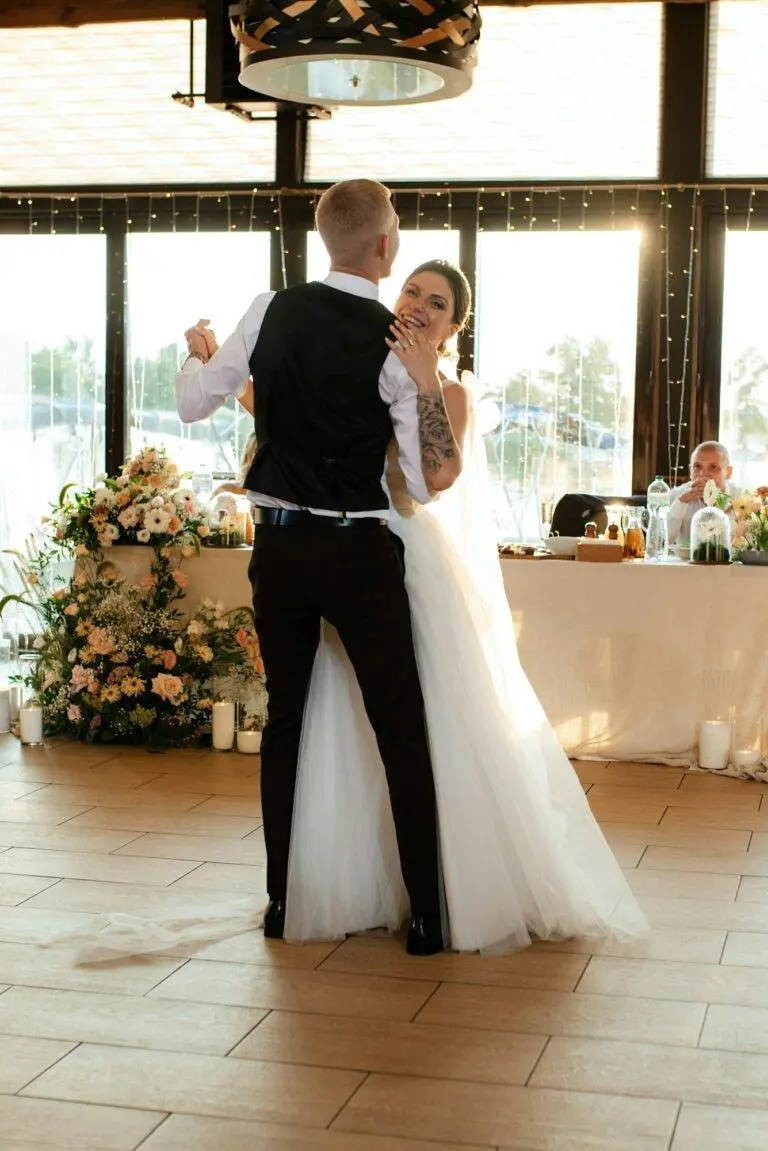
(710, 537)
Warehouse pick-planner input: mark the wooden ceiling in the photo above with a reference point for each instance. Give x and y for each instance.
(14, 14)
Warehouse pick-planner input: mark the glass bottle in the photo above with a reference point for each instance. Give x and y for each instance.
(657, 535)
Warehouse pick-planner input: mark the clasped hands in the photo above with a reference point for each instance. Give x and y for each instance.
(201, 342)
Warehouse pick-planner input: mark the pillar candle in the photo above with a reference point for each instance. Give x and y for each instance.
(223, 725)
(714, 744)
(31, 724)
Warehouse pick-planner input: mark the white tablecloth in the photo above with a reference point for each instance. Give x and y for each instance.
(619, 654)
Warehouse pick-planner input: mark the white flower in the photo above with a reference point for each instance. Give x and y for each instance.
(143, 536)
(123, 481)
(710, 493)
(100, 478)
(129, 516)
(156, 520)
(103, 496)
(38, 643)
(157, 502)
(72, 655)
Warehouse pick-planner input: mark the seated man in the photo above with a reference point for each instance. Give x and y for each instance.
(709, 461)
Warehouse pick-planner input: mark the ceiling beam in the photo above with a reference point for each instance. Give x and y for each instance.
(27, 14)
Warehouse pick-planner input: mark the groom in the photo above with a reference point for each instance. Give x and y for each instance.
(328, 396)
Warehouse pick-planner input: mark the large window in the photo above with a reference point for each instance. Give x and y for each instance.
(52, 305)
(173, 281)
(744, 377)
(93, 105)
(556, 325)
(560, 91)
(738, 89)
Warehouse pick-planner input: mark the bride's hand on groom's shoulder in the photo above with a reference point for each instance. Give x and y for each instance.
(417, 354)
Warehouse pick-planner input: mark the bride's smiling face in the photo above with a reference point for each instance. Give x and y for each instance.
(426, 303)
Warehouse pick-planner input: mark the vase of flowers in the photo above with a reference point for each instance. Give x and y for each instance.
(145, 504)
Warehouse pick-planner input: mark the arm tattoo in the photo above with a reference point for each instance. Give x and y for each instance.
(435, 433)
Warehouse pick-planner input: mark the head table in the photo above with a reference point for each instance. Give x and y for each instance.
(620, 655)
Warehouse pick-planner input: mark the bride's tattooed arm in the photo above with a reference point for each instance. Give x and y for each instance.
(438, 445)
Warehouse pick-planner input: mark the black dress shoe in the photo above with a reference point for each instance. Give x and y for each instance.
(274, 919)
(425, 935)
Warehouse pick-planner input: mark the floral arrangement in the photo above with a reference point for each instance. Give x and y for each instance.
(145, 504)
(119, 661)
(750, 515)
(227, 527)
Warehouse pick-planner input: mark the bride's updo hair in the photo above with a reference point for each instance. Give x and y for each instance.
(459, 285)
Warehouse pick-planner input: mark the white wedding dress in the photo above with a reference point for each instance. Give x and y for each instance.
(521, 853)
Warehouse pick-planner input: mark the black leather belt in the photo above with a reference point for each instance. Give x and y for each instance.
(288, 517)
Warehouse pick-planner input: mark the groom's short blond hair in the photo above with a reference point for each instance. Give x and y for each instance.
(351, 216)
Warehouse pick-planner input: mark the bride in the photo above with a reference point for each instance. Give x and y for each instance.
(522, 855)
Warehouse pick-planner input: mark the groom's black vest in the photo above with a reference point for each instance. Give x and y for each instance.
(321, 427)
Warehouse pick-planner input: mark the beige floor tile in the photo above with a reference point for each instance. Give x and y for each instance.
(706, 1128)
(76, 775)
(640, 775)
(373, 955)
(691, 944)
(165, 822)
(242, 879)
(287, 989)
(743, 801)
(125, 1020)
(685, 982)
(194, 1133)
(590, 771)
(653, 1070)
(92, 895)
(619, 811)
(252, 947)
(198, 1084)
(436, 1052)
(681, 884)
(715, 817)
(753, 889)
(718, 863)
(759, 843)
(63, 756)
(10, 789)
(81, 798)
(746, 949)
(719, 914)
(210, 766)
(733, 1028)
(31, 966)
(23, 1058)
(230, 805)
(562, 1013)
(721, 784)
(89, 865)
(15, 889)
(507, 1117)
(32, 925)
(35, 809)
(205, 784)
(63, 837)
(30, 1123)
(668, 835)
(203, 848)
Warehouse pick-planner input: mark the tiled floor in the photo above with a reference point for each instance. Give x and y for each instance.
(244, 1045)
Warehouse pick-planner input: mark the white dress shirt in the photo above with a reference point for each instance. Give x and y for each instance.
(680, 514)
(202, 388)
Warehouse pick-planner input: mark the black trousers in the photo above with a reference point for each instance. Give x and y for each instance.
(354, 578)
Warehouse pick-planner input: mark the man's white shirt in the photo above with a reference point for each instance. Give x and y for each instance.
(202, 388)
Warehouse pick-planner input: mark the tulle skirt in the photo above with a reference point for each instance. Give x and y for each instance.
(521, 853)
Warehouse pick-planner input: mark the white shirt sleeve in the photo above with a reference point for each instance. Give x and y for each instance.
(400, 393)
(202, 388)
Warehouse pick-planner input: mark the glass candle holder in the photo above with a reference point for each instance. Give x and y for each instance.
(746, 739)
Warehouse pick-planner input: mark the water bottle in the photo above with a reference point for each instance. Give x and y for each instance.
(657, 536)
(202, 482)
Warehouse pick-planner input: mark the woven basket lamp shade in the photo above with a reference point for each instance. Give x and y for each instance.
(361, 52)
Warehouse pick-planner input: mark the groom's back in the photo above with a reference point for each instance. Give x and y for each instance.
(321, 425)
